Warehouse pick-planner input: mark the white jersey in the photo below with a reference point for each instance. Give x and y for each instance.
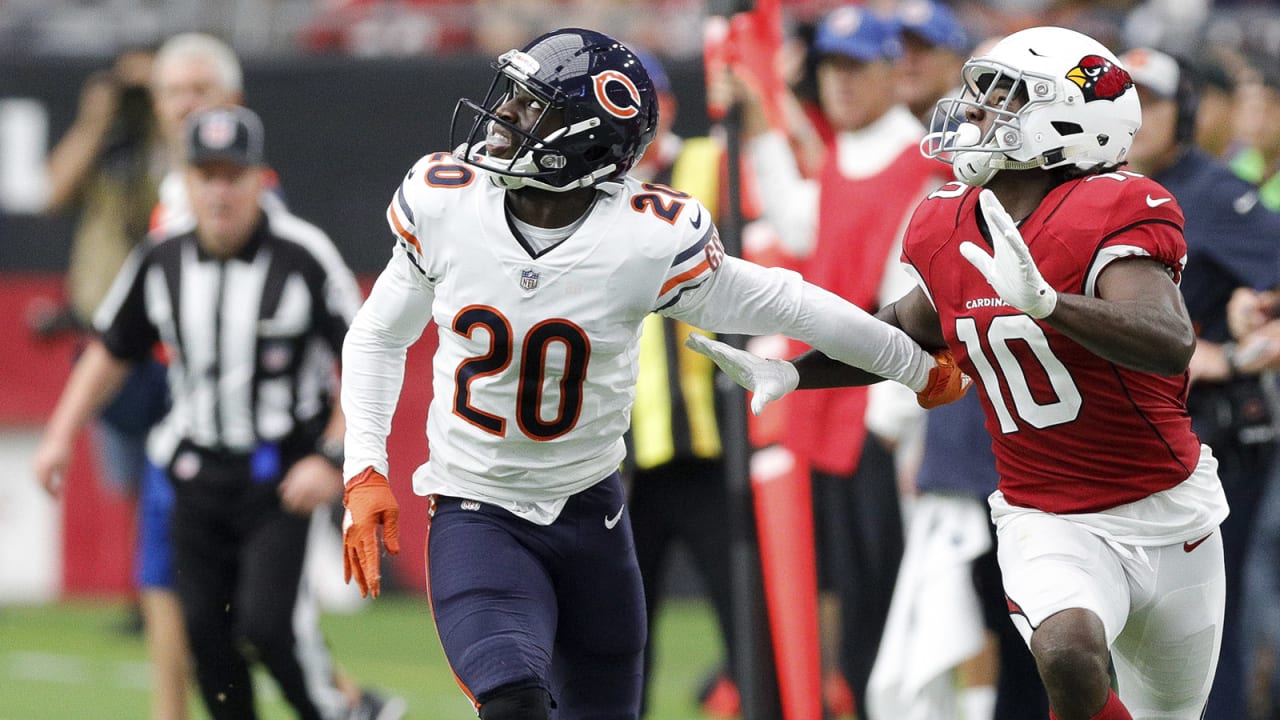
(535, 371)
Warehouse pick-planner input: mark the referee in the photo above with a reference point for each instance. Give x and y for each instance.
(250, 308)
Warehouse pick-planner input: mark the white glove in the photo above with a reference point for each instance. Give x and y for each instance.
(768, 380)
(1012, 272)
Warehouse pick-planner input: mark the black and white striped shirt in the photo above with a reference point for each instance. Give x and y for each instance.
(252, 339)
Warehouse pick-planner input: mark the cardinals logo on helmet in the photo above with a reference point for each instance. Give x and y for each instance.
(1099, 78)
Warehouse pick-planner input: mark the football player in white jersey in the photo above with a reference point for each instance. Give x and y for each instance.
(538, 259)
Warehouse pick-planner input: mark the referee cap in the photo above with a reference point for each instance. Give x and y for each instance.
(230, 134)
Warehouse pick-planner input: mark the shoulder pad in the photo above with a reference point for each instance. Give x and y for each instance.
(427, 189)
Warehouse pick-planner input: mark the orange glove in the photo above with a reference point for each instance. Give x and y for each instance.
(946, 382)
(369, 503)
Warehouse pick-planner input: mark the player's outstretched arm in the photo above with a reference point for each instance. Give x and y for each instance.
(742, 297)
(769, 380)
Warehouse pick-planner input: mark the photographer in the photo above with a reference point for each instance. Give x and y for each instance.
(107, 168)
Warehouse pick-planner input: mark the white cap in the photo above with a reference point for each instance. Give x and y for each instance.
(1153, 70)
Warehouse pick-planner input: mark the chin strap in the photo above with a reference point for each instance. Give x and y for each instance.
(976, 168)
(500, 172)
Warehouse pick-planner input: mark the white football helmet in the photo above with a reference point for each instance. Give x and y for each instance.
(1069, 102)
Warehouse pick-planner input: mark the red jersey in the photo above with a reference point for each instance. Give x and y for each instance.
(1071, 431)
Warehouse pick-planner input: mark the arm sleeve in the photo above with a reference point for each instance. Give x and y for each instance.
(373, 357)
(742, 297)
(789, 201)
(339, 293)
(121, 319)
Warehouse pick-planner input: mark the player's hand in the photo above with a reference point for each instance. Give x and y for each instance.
(370, 505)
(1012, 271)
(767, 380)
(310, 483)
(946, 382)
(1249, 310)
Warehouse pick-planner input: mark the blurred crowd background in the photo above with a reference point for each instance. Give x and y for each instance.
(377, 28)
(396, 67)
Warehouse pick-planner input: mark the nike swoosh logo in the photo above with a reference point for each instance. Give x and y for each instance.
(1189, 546)
(1157, 202)
(611, 522)
(696, 222)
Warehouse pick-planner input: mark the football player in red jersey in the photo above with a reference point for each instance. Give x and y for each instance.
(1052, 275)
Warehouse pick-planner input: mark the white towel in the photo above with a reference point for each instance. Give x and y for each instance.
(935, 620)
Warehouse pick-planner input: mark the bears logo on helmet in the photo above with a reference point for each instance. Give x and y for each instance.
(1099, 78)
(628, 94)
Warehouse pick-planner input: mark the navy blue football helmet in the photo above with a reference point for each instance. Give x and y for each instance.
(609, 107)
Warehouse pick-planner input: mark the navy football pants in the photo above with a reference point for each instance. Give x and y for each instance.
(559, 607)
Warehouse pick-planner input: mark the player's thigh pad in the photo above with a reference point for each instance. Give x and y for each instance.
(493, 600)
(598, 666)
(1050, 564)
(1166, 655)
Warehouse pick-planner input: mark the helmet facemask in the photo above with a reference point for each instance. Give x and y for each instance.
(975, 155)
(537, 161)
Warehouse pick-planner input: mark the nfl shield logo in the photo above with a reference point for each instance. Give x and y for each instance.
(528, 279)
(218, 131)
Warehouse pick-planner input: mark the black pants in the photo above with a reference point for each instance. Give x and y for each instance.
(859, 520)
(684, 500)
(238, 558)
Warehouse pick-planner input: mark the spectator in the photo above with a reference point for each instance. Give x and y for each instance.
(1231, 243)
(107, 167)
(254, 442)
(1259, 163)
(1215, 117)
(934, 46)
(846, 225)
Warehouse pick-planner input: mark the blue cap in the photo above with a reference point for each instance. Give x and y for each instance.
(934, 23)
(853, 32)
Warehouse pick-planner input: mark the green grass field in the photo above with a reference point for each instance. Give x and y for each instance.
(68, 660)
